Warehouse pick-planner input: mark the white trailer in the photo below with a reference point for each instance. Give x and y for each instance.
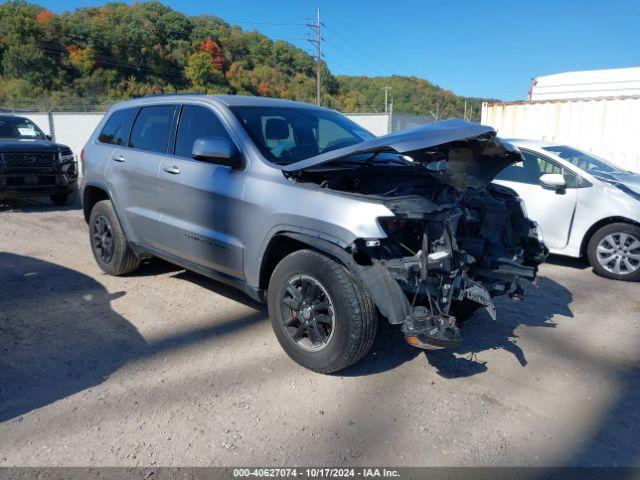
(606, 123)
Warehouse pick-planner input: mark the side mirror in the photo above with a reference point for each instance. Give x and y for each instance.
(554, 181)
(217, 150)
(48, 137)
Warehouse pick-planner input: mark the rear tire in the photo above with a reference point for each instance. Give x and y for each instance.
(614, 251)
(108, 243)
(64, 199)
(308, 280)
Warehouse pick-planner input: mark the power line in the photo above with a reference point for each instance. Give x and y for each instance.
(355, 59)
(251, 22)
(362, 52)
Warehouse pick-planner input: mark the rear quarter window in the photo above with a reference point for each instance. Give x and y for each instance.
(116, 130)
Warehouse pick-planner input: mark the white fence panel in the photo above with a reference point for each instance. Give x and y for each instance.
(608, 127)
(74, 129)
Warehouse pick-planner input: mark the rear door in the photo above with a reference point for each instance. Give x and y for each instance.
(199, 201)
(553, 210)
(133, 172)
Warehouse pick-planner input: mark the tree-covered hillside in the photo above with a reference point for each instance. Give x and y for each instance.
(89, 57)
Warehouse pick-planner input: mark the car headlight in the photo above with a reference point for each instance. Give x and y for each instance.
(67, 157)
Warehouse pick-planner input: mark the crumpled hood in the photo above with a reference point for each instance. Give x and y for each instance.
(463, 170)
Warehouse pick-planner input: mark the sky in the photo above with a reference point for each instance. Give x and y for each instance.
(480, 48)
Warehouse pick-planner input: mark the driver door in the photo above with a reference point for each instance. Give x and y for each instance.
(200, 202)
(553, 209)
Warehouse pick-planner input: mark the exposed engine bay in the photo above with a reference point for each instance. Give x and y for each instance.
(455, 241)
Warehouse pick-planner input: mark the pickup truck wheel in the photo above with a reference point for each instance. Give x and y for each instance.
(321, 315)
(614, 251)
(64, 199)
(108, 243)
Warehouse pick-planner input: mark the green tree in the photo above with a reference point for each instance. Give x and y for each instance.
(202, 72)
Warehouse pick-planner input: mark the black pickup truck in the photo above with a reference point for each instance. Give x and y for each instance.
(32, 165)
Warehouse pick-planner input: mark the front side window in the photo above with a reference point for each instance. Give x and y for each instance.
(151, 128)
(289, 134)
(196, 122)
(116, 130)
(18, 127)
(532, 168)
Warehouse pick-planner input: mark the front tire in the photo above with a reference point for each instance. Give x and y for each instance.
(322, 317)
(108, 243)
(614, 251)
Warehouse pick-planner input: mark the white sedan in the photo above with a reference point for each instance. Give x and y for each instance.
(585, 205)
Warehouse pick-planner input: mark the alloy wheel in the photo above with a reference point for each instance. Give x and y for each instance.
(103, 239)
(619, 253)
(307, 313)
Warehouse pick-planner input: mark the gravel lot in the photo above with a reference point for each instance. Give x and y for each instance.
(164, 367)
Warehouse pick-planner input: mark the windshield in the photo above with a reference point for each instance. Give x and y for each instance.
(288, 134)
(17, 127)
(585, 162)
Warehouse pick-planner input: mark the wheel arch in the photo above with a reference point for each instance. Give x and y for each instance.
(279, 246)
(91, 195)
(383, 289)
(597, 226)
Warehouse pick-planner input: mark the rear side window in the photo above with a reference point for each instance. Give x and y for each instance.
(196, 122)
(151, 128)
(116, 130)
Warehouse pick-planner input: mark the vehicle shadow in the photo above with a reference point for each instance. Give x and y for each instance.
(580, 263)
(542, 302)
(35, 204)
(389, 351)
(60, 336)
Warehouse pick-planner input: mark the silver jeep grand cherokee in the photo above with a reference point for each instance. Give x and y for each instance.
(300, 207)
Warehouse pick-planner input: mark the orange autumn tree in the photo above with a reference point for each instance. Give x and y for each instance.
(44, 16)
(212, 48)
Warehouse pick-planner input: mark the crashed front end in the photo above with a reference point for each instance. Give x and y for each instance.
(454, 242)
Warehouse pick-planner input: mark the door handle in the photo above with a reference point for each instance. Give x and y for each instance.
(172, 170)
(119, 158)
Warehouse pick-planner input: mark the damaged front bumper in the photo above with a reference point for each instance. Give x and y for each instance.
(458, 259)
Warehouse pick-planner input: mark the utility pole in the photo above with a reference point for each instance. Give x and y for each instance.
(386, 96)
(316, 41)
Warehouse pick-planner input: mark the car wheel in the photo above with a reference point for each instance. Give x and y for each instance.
(108, 243)
(64, 199)
(322, 317)
(614, 251)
